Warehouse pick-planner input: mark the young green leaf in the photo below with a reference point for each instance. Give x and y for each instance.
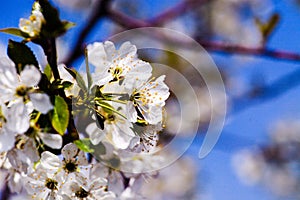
(60, 116)
(79, 79)
(15, 32)
(84, 145)
(268, 27)
(21, 55)
(48, 72)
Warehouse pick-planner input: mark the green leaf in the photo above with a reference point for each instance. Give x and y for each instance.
(66, 84)
(84, 145)
(78, 78)
(48, 72)
(14, 31)
(21, 55)
(68, 25)
(60, 117)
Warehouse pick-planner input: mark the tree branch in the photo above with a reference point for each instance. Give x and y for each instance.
(99, 11)
(268, 92)
(214, 46)
(5, 192)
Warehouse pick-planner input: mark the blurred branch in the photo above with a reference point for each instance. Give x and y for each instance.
(175, 11)
(5, 192)
(98, 12)
(226, 48)
(219, 47)
(266, 93)
(102, 9)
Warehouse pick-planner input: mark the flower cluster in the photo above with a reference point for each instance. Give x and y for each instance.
(125, 83)
(68, 134)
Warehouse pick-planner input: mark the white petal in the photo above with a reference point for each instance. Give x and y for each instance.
(97, 55)
(14, 183)
(18, 118)
(69, 151)
(81, 159)
(7, 140)
(131, 113)
(64, 74)
(98, 183)
(52, 140)
(121, 137)
(50, 161)
(30, 76)
(110, 50)
(41, 102)
(95, 134)
(127, 49)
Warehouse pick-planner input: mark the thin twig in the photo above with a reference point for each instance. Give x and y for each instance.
(227, 48)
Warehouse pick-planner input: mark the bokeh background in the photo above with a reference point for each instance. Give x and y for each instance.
(257, 155)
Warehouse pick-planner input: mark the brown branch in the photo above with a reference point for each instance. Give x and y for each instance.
(175, 11)
(102, 9)
(99, 11)
(5, 192)
(214, 46)
(227, 48)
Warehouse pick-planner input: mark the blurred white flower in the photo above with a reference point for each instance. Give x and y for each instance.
(176, 181)
(250, 167)
(286, 131)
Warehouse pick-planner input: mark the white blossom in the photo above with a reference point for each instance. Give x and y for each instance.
(147, 100)
(89, 189)
(43, 184)
(20, 88)
(117, 129)
(33, 25)
(73, 159)
(114, 65)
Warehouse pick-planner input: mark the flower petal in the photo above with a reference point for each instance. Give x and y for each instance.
(96, 135)
(7, 140)
(50, 161)
(52, 140)
(41, 102)
(69, 151)
(30, 76)
(18, 118)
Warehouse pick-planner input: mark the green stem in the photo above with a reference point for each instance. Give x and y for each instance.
(49, 46)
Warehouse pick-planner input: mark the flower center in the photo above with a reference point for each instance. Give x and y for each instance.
(81, 193)
(70, 167)
(21, 91)
(51, 184)
(111, 117)
(116, 72)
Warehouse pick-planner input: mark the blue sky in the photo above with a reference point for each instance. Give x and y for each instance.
(245, 129)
